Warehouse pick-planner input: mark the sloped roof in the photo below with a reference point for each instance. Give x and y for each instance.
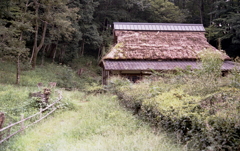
(158, 65)
(158, 26)
(149, 45)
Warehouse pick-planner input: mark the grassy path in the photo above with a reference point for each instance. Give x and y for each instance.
(97, 123)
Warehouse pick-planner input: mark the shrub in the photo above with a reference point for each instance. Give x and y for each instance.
(235, 75)
(208, 121)
(207, 79)
(211, 63)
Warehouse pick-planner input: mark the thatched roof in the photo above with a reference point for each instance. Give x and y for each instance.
(150, 45)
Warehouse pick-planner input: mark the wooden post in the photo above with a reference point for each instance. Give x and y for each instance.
(40, 113)
(2, 118)
(107, 77)
(22, 124)
(9, 130)
(103, 77)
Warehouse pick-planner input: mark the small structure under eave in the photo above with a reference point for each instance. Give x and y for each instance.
(143, 47)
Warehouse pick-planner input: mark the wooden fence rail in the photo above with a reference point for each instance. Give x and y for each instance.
(25, 119)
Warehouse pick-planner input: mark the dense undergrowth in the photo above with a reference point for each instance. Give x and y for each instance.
(66, 76)
(89, 121)
(201, 107)
(202, 122)
(16, 100)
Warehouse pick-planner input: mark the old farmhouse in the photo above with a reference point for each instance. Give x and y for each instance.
(143, 47)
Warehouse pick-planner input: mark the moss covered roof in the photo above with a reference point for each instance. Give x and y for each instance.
(150, 45)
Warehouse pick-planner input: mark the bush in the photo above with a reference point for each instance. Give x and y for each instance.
(235, 76)
(207, 121)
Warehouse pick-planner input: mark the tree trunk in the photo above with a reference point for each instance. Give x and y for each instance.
(82, 48)
(36, 33)
(37, 47)
(43, 53)
(55, 51)
(62, 53)
(99, 53)
(219, 44)
(18, 70)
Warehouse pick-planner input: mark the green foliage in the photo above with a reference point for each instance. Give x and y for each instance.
(204, 81)
(235, 75)
(208, 77)
(15, 101)
(211, 62)
(98, 124)
(202, 113)
(64, 75)
(164, 11)
(3, 7)
(77, 27)
(94, 88)
(11, 47)
(225, 24)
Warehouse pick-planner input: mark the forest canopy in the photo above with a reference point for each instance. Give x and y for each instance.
(67, 29)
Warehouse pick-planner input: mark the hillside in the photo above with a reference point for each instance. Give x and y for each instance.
(86, 120)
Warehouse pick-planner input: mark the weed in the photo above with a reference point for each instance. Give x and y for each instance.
(202, 117)
(99, 124)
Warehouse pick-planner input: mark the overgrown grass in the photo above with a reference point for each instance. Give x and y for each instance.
(15, 99)
(65, 75)
(87, 123)
(204, 118)
(96, 123)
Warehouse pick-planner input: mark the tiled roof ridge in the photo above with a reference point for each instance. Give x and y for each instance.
(136, 23)
(134, 26)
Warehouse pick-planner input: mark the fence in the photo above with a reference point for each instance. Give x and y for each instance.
(23, 127)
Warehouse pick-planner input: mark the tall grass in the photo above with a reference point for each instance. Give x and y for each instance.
(93, 123)
(97, 123)
(65, 75)
(15, 100)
